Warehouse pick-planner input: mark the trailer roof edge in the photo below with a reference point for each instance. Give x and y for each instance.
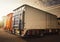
(32, 7)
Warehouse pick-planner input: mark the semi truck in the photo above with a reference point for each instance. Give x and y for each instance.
(30, 21)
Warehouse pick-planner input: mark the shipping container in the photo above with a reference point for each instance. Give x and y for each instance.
(9, 22)
(32, 21)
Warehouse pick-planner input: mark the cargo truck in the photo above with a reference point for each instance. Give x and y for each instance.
(30, 21)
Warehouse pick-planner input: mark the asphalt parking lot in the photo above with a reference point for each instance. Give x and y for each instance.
(7, 37)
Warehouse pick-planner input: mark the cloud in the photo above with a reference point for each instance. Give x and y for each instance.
(50, 2)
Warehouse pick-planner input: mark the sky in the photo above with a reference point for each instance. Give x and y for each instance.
(50, 2)
(7, 6)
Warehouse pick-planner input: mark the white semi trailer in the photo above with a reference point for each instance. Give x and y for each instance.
(31, 21)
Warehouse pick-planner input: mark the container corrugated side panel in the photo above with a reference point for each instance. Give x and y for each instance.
(34, 19)
(53, 22)
(48, 21)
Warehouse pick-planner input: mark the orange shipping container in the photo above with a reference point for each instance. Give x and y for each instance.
(9, 21)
